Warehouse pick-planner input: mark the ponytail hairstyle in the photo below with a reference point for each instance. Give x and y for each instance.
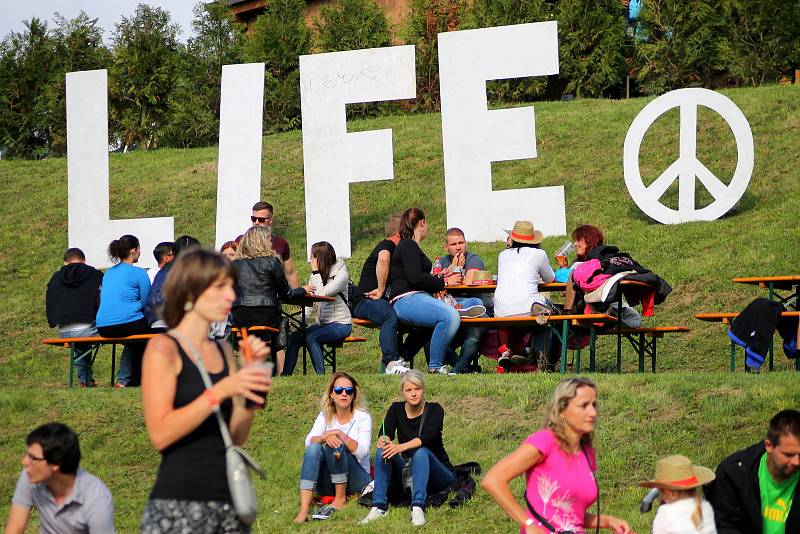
(120, 249)
(409, 221)
(326, 258)
(697, 515)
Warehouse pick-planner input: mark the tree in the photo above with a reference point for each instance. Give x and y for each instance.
(78, 45)
(26, 61)
(278, 38)
(680, 44)
(761, 39)
(426, 20)
(591, 45)
(352, 25)
(142, 76)
(194, 102)
(490, 13)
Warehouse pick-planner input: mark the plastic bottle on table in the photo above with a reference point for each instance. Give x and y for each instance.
(437, 266)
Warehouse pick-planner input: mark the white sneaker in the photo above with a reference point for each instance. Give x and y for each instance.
(397, 367)
(443, 370)
(417, 516)
(375, 513)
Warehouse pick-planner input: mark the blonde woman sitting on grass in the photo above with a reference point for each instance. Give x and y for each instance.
(683, 509)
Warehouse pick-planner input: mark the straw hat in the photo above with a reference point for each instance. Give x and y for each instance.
(677, 472)
(523, 232)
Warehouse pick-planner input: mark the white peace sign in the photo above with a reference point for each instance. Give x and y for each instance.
(688, 167)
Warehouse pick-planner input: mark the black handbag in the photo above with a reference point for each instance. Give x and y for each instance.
(282, 337)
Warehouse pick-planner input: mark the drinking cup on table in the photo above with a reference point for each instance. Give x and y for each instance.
(563, 252)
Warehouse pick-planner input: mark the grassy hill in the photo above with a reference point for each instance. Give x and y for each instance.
(580, 146)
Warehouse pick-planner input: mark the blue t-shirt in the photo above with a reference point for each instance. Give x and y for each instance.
(122, 295)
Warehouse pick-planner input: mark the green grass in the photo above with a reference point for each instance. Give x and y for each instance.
(695, 407)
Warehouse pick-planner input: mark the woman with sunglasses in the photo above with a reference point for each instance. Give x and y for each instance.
(559, 465)
(418, 425)
(262, 283)
(336, 460)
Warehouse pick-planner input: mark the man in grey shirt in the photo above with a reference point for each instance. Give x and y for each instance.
(69, 499)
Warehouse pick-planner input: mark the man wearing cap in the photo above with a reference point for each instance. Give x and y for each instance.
(756, 489)
(69, 499)
(681, 510)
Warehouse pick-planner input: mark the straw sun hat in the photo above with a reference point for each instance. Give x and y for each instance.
(677, 472)
(523, 232)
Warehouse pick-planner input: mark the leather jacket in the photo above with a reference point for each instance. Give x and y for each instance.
(262, 282)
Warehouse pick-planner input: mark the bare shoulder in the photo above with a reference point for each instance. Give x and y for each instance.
(162, 344)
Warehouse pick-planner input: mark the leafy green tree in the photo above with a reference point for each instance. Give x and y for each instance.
(490, 13)
(142, 76)
(26, 60)
(278, 38)
(761, 39)
(591, 41)
(680, 44)
(428, 18)
(352, 25)
(78, 45)
(194, 102)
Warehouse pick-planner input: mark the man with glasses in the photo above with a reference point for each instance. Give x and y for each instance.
(262, 216)
(69, 499)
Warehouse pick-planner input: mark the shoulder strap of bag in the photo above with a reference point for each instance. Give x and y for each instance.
(422, 421)
(198, 362)
(545, 523)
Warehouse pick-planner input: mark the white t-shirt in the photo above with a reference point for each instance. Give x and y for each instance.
(676, 518)
(358, 428)
(152, 272)
(519, 273)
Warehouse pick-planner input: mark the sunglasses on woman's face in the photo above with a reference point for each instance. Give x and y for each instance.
(339, 389)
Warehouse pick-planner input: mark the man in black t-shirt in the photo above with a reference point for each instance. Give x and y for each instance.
(370, 300)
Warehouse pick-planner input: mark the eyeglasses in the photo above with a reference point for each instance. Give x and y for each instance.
(262, 220)
(33, 458)
(339, 389)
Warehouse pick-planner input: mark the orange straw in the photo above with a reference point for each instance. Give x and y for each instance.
(248, 352)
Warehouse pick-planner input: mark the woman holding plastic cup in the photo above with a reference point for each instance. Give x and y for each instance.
(336, 460)
(191, 489)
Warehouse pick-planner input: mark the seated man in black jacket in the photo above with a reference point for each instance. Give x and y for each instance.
(72, 299)
(756, 489)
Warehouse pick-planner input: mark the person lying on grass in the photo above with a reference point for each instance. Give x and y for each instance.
(336, 460)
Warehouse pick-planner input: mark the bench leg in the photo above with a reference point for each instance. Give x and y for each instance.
(655, 346)
(578, 359)
(113, 363)
(592, 349)
(564, 326)
(641, 351)
(71, 363)
(619, 333)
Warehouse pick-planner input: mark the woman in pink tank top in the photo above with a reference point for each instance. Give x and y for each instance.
(559, 464)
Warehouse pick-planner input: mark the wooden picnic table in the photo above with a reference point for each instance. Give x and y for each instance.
(775, 283)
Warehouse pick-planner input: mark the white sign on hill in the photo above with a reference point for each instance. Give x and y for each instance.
(472, 136)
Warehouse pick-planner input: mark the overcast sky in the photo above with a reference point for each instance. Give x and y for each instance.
(109, 12)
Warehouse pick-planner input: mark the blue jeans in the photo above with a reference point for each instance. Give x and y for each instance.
(316, 335)
(421, 309)
(83, 354)
(428, 474)
(469, 337)
(321, 470)
(380, 312)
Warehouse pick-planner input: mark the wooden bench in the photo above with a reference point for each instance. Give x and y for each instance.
(96, 342)
(725, 318)
(329, 351)
(644, 340)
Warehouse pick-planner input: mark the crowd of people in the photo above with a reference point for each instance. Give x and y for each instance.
(188, 375)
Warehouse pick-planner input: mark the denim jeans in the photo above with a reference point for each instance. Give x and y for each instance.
(321, 470)
(469, 338)
(428, 474)
(380, 312)
(421, 309)
(316, 335)
(83, 354)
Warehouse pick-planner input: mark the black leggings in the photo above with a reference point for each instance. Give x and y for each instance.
(246, 316)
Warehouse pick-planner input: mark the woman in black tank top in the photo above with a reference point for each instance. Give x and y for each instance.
(191, 490)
